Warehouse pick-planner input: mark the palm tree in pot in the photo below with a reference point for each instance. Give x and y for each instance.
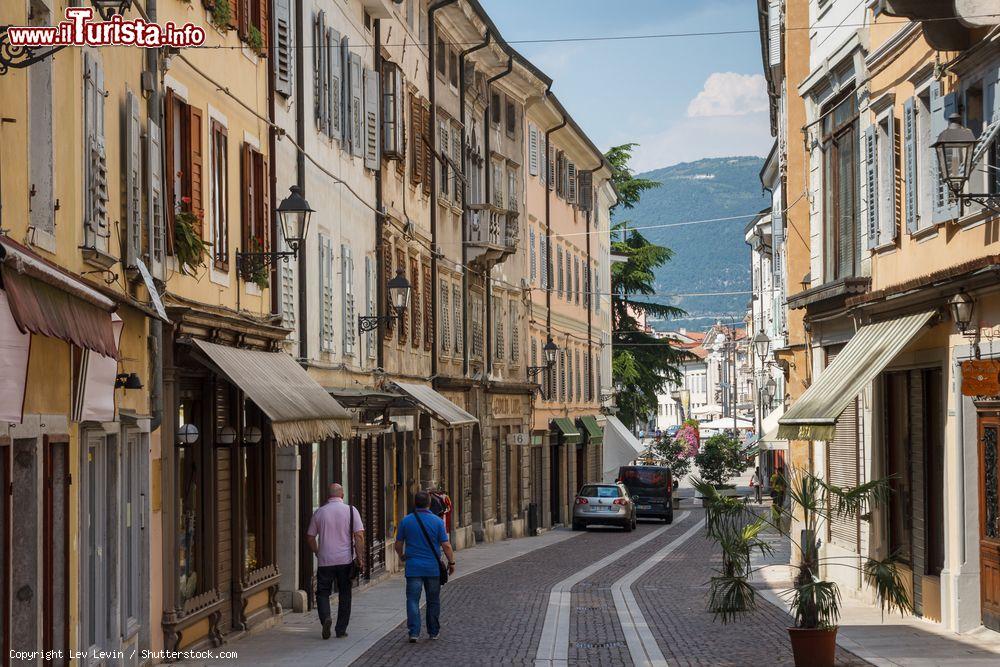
(814, 601)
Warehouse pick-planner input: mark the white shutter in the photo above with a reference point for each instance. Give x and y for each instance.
(457, 309)
(155, 212)
(288, 296)
(942, 106)
(534, 257)
(335, 49)
(543, 253)
(887, 230)
(372, 130)
(96, 209)
(283, 49)
(347, 298)
(133, 181)
(871, 185)
(910, 157)
(355, 101)
(325, 293)
(550, 160)
(774, 33)
(532, 150)
(320, 73)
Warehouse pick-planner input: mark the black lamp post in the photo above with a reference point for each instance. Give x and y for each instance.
(109, 8)
(962, 308)
(549, 351)
(294, 214)
(399, 290)
(958, 150)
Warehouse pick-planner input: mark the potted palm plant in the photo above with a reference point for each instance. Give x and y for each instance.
(814, 601)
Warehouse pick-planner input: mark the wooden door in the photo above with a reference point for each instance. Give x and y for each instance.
(5, 492)
(989, 519)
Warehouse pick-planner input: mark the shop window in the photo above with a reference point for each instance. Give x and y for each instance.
(256, 494)
(192, 539)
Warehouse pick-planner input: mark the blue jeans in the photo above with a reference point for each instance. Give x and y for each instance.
(433, 587)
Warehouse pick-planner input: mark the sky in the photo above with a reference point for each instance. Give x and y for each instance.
(680, 99)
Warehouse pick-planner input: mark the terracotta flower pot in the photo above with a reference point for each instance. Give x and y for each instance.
(813, 647)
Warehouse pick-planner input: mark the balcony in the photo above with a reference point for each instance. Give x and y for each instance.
(491, 234)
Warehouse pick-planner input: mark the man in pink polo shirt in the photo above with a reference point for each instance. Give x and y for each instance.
(337, 537)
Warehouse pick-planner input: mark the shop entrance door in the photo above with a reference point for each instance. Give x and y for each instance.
(989, 518)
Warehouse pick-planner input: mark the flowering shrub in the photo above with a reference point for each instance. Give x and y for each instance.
(678, 451)
(189, 248)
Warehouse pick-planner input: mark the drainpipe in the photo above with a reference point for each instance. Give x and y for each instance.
(272, 151)
(379, 218)
(466, 212)
(488, 278)
(300, 175)
(155, 325)
(550, 188)
(432, 95)
(590, 283)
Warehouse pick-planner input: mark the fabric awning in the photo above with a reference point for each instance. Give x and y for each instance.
(873, 347)
(48, 301)
(769, 426)
(706, 410)
(620, 448)
(591, 427)
(439, 407)
(300, 410)
(723, 423)
(567, 429)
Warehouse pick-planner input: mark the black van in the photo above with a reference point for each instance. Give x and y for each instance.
(652, 489)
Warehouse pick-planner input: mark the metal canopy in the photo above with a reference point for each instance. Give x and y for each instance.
(439, 407)
(300, 410)
(873, 347)
(570, 433)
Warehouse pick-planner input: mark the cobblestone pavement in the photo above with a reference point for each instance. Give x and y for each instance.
(672, 597)
(495, 616)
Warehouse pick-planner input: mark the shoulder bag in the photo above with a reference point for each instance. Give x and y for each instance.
(442, 564)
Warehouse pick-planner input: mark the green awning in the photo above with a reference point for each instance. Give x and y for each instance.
(567, 429)
(592, 428)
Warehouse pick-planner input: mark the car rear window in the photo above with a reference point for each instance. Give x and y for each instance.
(644, 477)
(594, 491)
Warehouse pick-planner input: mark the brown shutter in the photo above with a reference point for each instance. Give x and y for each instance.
(416, 306)
(234, 13)
(428, 309)
(417, 157)
(262, 20)
(264, 197)
(246, 196)
(196, 151)
(387, 274)
(428, 132)
(169, 168)
(401, 264)
(220, 133)
(244, 16)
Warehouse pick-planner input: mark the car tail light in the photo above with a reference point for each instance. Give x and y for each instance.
(621, 501)
(581, 501)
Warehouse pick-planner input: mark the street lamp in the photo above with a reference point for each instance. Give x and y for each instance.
(398, 289)
(958, 150)
(762, 344)
(109, 8)
(768, 391)
(961, 306)
(549, 351)
(251, 435)
(187, 434)
(226, 436)
(294, 214)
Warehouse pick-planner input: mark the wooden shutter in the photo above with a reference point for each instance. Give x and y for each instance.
(387, 274)
(842, 466)
(262, 20)
(532, 150)
(585, 190)
(288, 294)
(155, 200)
(195, 161)
(571, 182)
(343, 99)
(326, 293)
(418, 295)
(356, 127)
(774, 33)
(445, 306)
(284, 57)
(347, 298)
(428, 307)
(425, 126)
(871, 185)
(243, 15)
(888, 229)
(263, 228)
(543, 258)
(910, 157)
(170, 197)
(404, 321)
(515, 332)
(550, 160)
(247, 196)
(458, 308)
(96, 211)
(370, 305)
(319, 71)
(942, 106)
(498, 328)
(417, 160)
(335, 89)
(372, 130)
(133, 181)
(234, 13)
(533, 255)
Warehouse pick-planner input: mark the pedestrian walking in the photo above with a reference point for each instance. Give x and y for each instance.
(441, 506)
(778, 488)
(337, 537)
(420, 539)
(756, 482)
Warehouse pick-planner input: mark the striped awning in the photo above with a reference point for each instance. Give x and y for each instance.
(300, 410)
(873, 347)
(436, 405)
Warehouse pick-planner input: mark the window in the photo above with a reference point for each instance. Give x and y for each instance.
(255, 212)
(183, 146)
(991, 107)
(842, 238)
(511, 190)
(393, 92)
(220, 195)
(453, 67)
(497, 184)
(441, 57)
(495, 108)
(510, 115)
(194, 574)
(257, 490)
(476, 314)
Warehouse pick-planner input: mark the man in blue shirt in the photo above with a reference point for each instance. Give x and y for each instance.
(424, 537)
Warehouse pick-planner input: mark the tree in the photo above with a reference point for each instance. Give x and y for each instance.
(674, 453)
(720, 459)
(641, 364)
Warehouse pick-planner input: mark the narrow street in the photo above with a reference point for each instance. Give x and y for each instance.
(600, 597)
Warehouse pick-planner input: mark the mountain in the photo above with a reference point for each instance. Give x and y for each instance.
(708, 257)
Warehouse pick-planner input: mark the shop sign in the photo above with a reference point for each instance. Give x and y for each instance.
(504, 406)
(981, 377)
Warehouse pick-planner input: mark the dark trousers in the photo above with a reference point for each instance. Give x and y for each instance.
(326, 575)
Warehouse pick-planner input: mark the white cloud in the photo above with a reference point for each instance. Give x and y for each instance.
(690, 139)
(729, 94)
